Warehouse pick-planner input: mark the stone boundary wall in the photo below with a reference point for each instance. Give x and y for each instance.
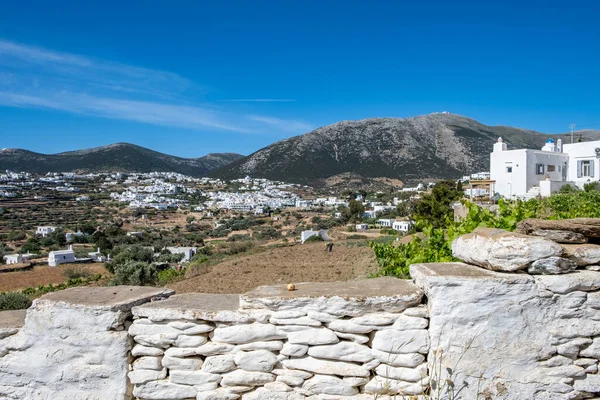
(519, 319)
(361, 337)
(72, 345)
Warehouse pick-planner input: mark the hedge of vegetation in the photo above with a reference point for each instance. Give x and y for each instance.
(434, 245)
(13, 301)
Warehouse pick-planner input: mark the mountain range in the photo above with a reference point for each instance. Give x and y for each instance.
(122, 157)
(438, 145)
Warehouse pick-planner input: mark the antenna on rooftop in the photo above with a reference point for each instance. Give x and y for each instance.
(572, 126)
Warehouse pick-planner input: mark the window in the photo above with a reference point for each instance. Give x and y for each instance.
(539, 169)
(509, 170)
(551, 168)
(585, 168)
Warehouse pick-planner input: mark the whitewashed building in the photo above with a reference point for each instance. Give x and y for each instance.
(403, 226)
(584, 162)
(188, 252)
(44, 231)
(519, 172)
(362, 227)
(528, 172)
(10, 259)
(385, 223)
(57, 257)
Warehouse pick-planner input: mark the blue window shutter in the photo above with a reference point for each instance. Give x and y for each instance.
(579, 169)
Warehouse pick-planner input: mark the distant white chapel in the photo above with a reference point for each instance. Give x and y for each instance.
(527, 173)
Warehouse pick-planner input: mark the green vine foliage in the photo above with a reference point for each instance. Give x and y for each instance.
(434, 244)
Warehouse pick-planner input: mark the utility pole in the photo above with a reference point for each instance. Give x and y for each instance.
(572, 126)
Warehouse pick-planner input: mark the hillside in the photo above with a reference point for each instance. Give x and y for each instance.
(122, 157)
(429, 146)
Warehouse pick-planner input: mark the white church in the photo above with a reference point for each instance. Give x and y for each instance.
(527, 173)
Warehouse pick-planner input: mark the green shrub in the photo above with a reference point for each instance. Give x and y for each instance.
(239, 247)
(13, 301)
(169, 275)
(313, 239)
(170, 258)
(357, 237)
(76, 272)
(238, 238)
(135, 273)
(435, 243)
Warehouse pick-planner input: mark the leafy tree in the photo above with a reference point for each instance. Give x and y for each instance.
(170, 258)
(356, 209)
(4, 249)
(32, 245)
(124, 254)
(435, 207)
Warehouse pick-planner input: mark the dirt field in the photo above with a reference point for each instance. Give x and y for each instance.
(10, 281)
(297, 263)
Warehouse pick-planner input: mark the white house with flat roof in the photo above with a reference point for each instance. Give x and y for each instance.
(44, 230)
(403, 226)
(17, 258)
(57, 257)
(584, 164)
(529, 172)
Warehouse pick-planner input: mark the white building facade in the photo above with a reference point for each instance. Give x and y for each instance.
(55, 258)
(526, 173)
(44, 231)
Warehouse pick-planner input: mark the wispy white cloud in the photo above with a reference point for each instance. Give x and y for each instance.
(259, 101)
(34, 77)
(283, 125)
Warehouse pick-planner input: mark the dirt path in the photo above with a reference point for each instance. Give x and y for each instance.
(295, 263)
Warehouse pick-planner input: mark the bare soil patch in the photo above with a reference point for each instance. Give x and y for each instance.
(294, 263)
(10, 281)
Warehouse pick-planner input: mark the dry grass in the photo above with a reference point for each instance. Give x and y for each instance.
(10, 281)
(294, 263)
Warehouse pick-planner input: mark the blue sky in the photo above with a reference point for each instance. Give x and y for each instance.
(188, 78)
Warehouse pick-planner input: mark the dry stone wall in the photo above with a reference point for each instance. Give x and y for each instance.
(358, 340)
(72, 345)
(520, 319)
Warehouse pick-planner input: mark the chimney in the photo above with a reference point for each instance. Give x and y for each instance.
(71, 247)
(559, 145)
(500, 145)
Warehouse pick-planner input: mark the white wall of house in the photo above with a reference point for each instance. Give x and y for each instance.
(517, 171)
(584, 162)
(44, 230)
(385, 222)
(58, 257)
(402, 226)
(12, 259)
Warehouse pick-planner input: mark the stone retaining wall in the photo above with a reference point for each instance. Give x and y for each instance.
(520, 321)
(73, 345)
(337, 340)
